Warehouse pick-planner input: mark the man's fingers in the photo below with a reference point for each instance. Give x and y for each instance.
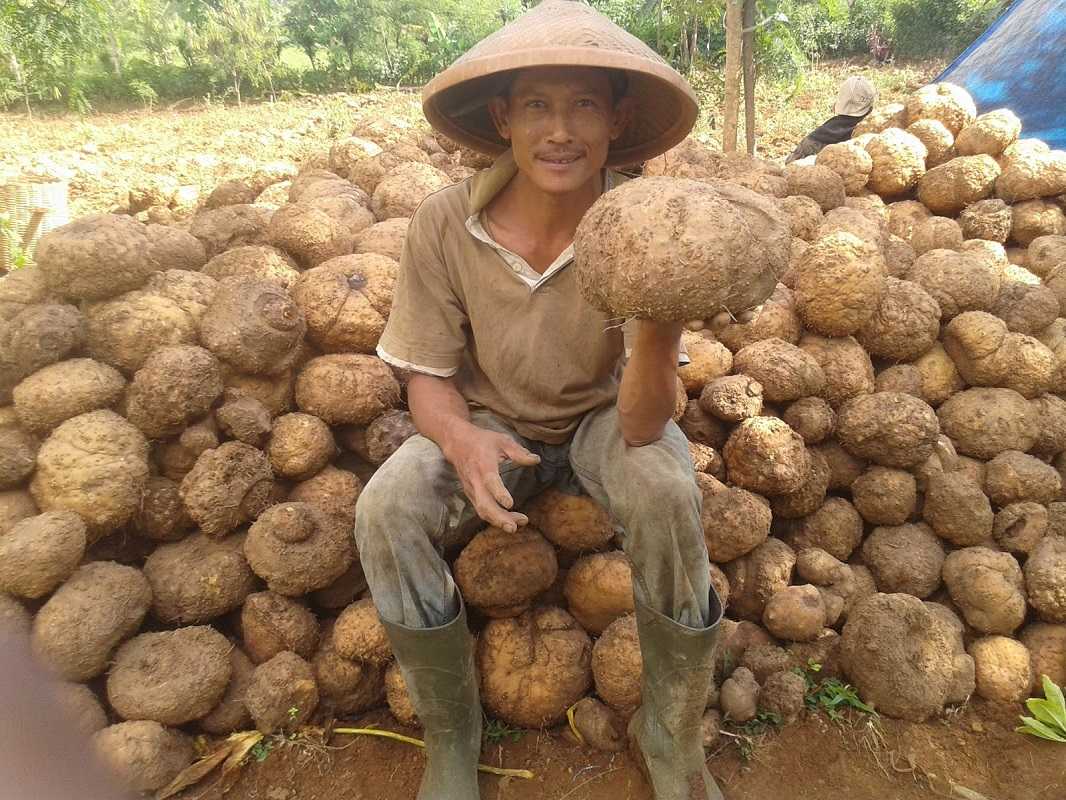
(494, 484)
(518, 454)
(491, 513)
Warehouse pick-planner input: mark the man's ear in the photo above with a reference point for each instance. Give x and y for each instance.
(498, 110)
(623, 115)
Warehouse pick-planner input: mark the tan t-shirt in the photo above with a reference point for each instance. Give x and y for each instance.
(539, 356)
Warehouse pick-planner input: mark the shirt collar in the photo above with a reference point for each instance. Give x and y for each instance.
(488, 183)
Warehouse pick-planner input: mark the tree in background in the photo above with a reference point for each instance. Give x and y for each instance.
(244, 37)
(67, 51)
(42, 45)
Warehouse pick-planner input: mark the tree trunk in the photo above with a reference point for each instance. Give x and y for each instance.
(237, 87)
(116, 54)
(734, 12)
(659, 30)
(749, 75)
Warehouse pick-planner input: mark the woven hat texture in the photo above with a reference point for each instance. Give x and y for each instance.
(562, 33)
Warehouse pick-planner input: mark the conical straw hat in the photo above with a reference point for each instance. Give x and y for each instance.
(562, 33)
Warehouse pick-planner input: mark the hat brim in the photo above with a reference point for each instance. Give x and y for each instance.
(665, 108)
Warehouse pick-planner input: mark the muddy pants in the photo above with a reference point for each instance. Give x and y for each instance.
(414, 507)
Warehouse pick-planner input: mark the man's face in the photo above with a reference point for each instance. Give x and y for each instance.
(560, 122)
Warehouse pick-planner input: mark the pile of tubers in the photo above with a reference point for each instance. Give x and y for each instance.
(190, 407)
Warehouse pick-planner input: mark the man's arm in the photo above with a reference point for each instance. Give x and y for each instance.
(648, 394)
(440, 413)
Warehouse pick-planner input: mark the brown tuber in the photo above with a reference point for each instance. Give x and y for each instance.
(198, 579)
(983, 423)
(300, 446)
(346, 388)
(534, 667)
(95, 464)
(76, 631)
(175, 386)
(254, 325)
(617, 665)
(888, 428)
(283, 683)
(628, 246)
(765, 455)
(957, 509)
(359, 635)
(39, 553)
(735, 521)
(905, 559)
(271, 623)
(1045, 578)
(96, 257)
(796, 613)
(901, 656)
(227, 487)
(60, 391)
(171, 677)
(987, 588)
(501, 573)
(599, 589)
(296, 548)
(142, 755)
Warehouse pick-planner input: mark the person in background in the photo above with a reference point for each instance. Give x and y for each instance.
(854, 101)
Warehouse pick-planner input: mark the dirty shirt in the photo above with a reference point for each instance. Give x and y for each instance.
(523, 345)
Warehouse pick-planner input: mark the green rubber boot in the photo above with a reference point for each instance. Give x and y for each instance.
(666, 733)
(438, 667)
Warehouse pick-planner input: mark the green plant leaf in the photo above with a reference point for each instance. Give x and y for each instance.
(1044, 710)
(1056, 701)
(1035, 727)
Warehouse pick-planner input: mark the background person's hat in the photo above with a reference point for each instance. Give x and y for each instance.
(562, 33)
(856, 97)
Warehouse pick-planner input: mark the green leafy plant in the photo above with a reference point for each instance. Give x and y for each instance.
(1049, 714)
(19, 257)
(497, 730)
(830, 695)
(293, 712)
(262, 749)
(144, 92)
(833, 696)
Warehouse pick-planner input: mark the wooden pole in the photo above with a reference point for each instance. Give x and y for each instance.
(749, 75)
(734, 12)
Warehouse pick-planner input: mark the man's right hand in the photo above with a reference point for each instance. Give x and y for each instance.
(476, 454)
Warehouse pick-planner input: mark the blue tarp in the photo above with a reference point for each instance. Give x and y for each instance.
(1020, 63)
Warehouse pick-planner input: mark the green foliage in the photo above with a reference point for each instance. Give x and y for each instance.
(940, 27)
(12, 244)
(244, 38)
(830, 695)
(496, 731)
(77, 52)
(144, 92)
(261, 749)
(1049, 714)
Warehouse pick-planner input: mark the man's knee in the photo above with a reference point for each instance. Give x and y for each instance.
(658, 482)
(403, 498)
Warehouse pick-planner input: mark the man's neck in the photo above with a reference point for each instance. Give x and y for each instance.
(542, 216)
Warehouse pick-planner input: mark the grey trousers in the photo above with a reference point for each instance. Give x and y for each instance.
(414, 507)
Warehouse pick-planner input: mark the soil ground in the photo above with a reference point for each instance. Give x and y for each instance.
(971, 754)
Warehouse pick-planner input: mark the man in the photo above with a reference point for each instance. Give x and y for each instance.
(518, 384)
(855, 100)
